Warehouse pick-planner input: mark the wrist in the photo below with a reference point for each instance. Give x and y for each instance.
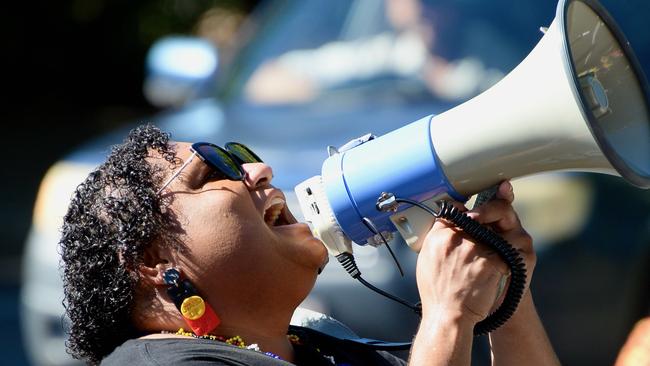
(525, 334)
(440, 317)
(443, 338)
(520, 319)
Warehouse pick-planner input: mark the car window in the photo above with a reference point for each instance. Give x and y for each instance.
(311, 49)
(345, 53)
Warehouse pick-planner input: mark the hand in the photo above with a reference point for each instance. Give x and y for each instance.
(522, 340)
(457, 277)
(500, 216)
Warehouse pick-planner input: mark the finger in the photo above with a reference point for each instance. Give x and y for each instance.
(497, 213)
(522, 241)
(440, 223)
(505, 191)
(459, 205)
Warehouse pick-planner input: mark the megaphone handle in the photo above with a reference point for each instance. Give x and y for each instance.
(485, 196)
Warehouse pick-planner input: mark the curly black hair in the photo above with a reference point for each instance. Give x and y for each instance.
(114, 215)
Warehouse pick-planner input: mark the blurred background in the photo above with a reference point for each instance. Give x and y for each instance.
(289, 78)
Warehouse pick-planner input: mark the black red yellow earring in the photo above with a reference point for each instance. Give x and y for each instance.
(197, 313)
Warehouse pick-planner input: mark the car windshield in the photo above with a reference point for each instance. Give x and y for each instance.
(307, 50)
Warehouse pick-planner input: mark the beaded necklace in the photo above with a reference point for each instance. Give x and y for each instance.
(236, 341)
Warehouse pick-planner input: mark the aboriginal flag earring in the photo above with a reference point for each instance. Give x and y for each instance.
(197, 313)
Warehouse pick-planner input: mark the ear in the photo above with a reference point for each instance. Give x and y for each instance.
(155, 262)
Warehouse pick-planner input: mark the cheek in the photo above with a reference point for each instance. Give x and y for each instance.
(218, 233)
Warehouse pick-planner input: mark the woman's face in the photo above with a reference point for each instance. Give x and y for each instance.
(239, 239)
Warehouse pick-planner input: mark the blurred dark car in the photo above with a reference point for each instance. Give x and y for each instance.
(317, 73)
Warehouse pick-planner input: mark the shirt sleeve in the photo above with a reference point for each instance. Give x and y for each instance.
(392, 359)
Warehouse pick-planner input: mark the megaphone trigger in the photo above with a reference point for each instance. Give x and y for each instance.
(485, 196)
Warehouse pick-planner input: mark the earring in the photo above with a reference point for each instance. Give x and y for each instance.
(197, 313)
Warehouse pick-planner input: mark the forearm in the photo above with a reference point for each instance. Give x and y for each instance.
(442, 340)
(522, 340)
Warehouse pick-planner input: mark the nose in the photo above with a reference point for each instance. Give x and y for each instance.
(258, 175)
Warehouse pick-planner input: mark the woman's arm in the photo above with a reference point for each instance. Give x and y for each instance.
(442, 339)
(522, 340)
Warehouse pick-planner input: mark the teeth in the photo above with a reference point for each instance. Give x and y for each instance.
(273, 210)
(273, 202)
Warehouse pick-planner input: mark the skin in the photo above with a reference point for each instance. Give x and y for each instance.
(252, 275)
(463, 288)
(255, 275)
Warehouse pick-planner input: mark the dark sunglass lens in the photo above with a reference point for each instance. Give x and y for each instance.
(221, 160)
(244, 154)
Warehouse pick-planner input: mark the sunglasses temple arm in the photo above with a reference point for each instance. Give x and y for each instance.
(177, 173)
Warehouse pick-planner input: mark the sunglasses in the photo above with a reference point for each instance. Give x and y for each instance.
(227, 160)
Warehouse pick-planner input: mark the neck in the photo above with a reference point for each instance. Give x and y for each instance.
(262, 317)
(269, 333)
(277, 344)
(265, 325)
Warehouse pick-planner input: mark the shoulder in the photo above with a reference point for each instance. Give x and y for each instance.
(168, 352)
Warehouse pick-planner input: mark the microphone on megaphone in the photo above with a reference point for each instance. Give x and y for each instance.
(578, 102)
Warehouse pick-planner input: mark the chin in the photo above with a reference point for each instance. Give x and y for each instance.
(323, 255)
(302, 246)
(317, 255)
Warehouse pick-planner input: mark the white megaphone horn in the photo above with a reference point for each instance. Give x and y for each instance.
(578, 102)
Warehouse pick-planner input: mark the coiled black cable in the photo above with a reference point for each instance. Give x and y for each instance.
(509, 255)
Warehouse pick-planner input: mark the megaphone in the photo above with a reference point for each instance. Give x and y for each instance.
(578, 102)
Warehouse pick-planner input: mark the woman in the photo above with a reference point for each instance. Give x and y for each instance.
(156, 240)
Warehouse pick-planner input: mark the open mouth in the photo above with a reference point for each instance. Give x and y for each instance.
(276, 213)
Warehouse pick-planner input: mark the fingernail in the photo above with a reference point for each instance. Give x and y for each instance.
(509, 185)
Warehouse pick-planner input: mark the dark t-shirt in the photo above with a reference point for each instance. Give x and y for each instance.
(313, 351)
